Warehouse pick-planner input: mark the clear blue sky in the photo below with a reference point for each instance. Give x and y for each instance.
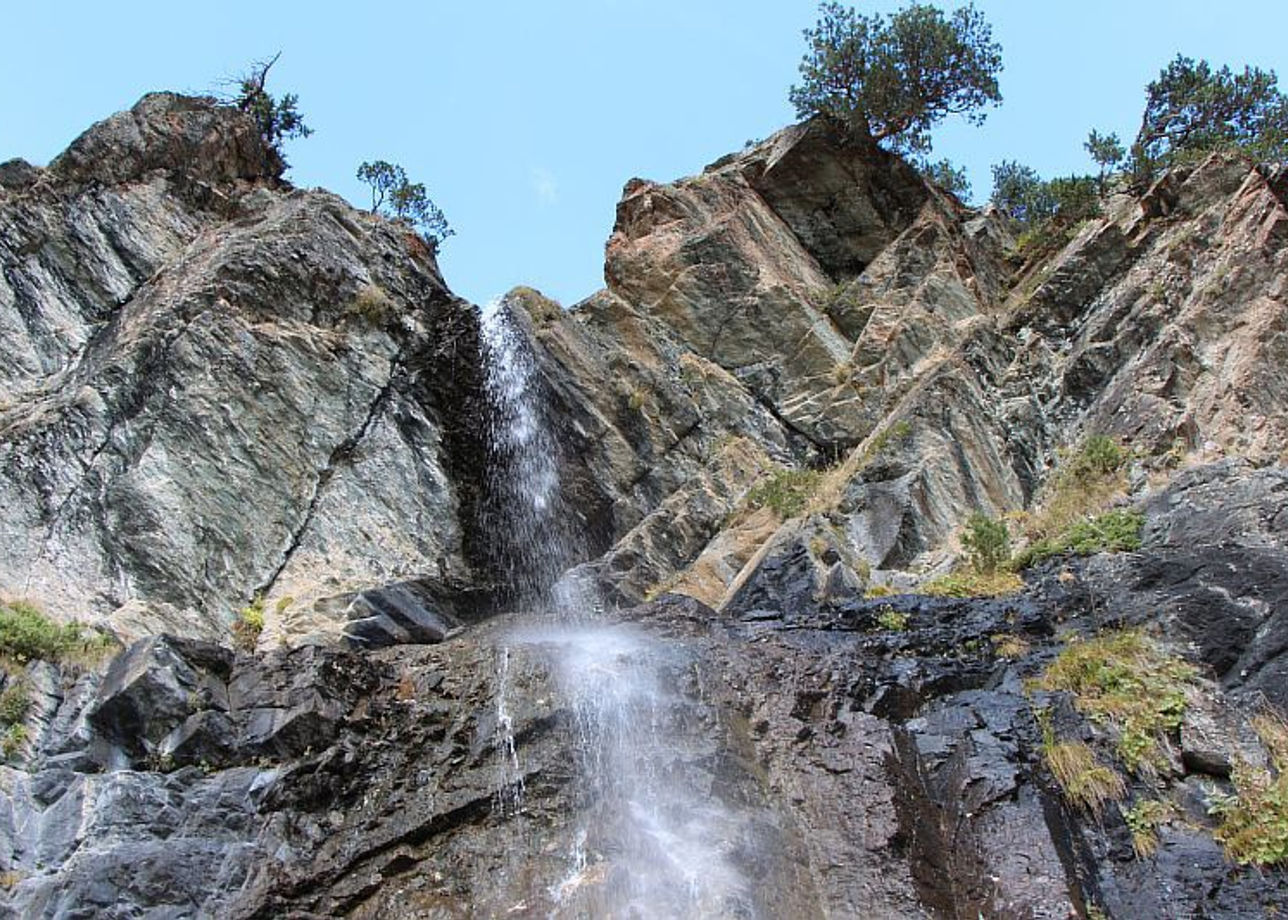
(525, 119)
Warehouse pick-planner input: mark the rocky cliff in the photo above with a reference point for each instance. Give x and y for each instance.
(808, 368)
(218, 386)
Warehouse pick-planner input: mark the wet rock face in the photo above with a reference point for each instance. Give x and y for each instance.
(870, 757)
(216, 386)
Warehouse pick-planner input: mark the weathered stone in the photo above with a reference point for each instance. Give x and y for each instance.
(152, 687)
(406, 612)
(218, 386)
(215, 386)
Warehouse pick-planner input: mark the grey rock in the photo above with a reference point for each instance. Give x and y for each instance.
(217, 386)
(152, 687)
(399, 613)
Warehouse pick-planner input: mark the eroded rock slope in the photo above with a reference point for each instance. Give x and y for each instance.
(217, 386)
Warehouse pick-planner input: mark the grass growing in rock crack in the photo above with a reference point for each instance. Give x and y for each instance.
(832, 486)
(11, 742)
(973, 584)
(1254, 820)
(1072, 516)
(1123, 679)
(1143, 820)
(14, 703)
(785, 492)
(1112, 532)
(1085, 781)
(893, 620)
(1008, 645)
(248, 624)
(373, 304)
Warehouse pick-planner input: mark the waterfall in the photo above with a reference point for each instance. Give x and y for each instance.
(649, 840)
(525, 515)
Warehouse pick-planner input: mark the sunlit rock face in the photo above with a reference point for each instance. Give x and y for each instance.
(217, 386)
(530, 649)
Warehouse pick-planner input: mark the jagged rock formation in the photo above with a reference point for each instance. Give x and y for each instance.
(1157, 324)
(217, 386)
(888, 771)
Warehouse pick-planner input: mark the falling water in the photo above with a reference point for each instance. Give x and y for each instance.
(649, 840)
(524, 515)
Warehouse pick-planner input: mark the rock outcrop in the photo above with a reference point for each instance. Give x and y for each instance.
(807, 369)
(932, 370)
(217, 386)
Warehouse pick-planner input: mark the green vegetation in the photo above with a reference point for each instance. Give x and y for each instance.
(1193, 109)
(27, 634)
(785, 492)
(1144, 819)
(1254, 821)
(1084, 780)
(973, 584)
(1106, 151)
(278, 120)
(1112, 532)
(1072, 517)
(1124, 680)
(1099, 455)
(249, 623)
(11, 742)
(1048, 213)
(397, 198)
(891, 79)
(988, 548)
(948, 177)
(891, 619)
(14, 704)
(987, 542)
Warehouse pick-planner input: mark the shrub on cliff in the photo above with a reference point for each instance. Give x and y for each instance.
(278, 119)
(394, 196)
(948, 177)
(1048, 211)
(893, 78)
(27, 634)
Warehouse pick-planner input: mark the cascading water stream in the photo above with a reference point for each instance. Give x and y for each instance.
(647, 840)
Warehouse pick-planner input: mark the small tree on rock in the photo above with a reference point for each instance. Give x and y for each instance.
(408, 202)
(1020, 193)
(1107, 152)
(894, 79)
(987, 543)
(948, 177)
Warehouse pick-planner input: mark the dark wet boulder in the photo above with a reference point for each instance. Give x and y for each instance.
(409, 612)
(154, 686)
